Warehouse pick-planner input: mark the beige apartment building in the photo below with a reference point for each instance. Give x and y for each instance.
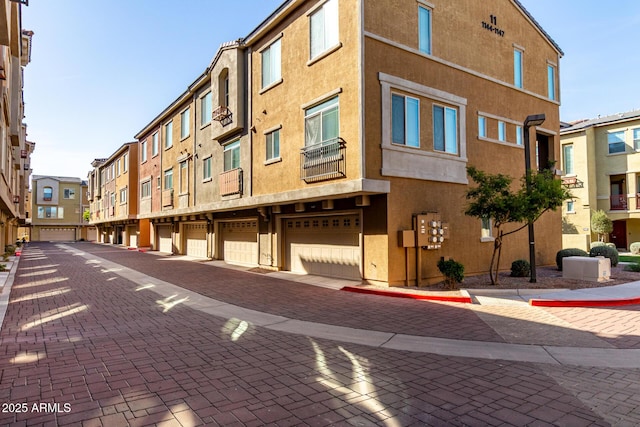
(601, 164)
(312, 144)
(58, 206)
(15, 150)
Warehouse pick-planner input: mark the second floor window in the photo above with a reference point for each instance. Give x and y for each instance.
(168, 135)
(636, 139)
(184, 124)
(567, 157)
(206, 168)
(445, 129)
(145, 190)
(168, 179)
(616, 142)
(47, 193)
(551, 82)
(482, 127)
(324, 28)
(519, 135)
(405, 120)
(143, 151)
(424, 29)
(273, 144)
(271, 70)
(502, 131)
(517, 68)
(205, 109)
(232, 156)
(123, 196)
(154, 144)
(69, 193)
(321, 123)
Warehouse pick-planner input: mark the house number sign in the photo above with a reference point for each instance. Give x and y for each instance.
(492, 25)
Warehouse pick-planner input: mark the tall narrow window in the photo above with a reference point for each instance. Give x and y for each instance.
(616, 142)
(424, 29)
(570, 207)
(184, 123)
(271, 68)
(551, 82)
(502, 131)
(519, 135)
(168, 179)
(324, 28)
(205, 109)
(482, 127)
(154, 144)
(232, 156)
(273, 144)
(143, 152)
(206, 168)
(168, 135)
(486, 232)
(567, 158)
(145, 190)
(321, 123)
(517, 68)
(47, 194)
(125, 162)
(184, 178)
(405, 122)
(445, 129)
(636, 139)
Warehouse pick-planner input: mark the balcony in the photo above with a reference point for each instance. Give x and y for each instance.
(167, 198)
(223, 115)
(323, 161)
(231, 182)
(618, 202)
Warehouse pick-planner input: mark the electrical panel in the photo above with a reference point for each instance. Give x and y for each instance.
(431, 231)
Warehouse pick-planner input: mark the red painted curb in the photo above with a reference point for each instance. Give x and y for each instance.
(584, 303)
(142, 250)
(131, 249)
(466, 300)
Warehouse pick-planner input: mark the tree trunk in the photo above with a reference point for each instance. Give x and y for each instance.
(499, 255)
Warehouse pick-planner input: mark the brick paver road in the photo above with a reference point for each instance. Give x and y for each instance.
(82, 345)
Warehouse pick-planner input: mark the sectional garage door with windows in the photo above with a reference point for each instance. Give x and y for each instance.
(324, 245)
(164, 238)
(239, 242)
(195, 240)
(132, 232)
(57, 234)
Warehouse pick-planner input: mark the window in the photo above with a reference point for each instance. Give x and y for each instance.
(113, 199)
(324, 28)
(445, 129)
(123, 196)
(486, 232)
(125, 162)
(206, 168)
(321, 123)
(424, 29)
(636, 139)
(47, 193)
(168, 135)
(232, 156)
(184, 178)
(143, 151)
(273, 144)
(119, 166)
(145, 190)
(570, 207)
(271, 72)
(184, 124)
(517, 68)
(168, 179)
(551, 82)
(567, 158)
(158, 182)
(502, 131)
(482, 127)
(616, 142)
(405, 120)
(519, 135)
(69, 193)
(205, 109)
(50, 212)
(154, 144)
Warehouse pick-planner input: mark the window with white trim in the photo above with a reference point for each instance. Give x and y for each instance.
(183, 183)
(517, 68)
(206, 168)
(123, 196)
(482, 127)
(445, 129)
(184, 123)
(636, 139)
(168, 135)
(205, 109)
(519, 135)
(570, 206)
(551, 82)
(69, 193)
(567, 158)
(271, 64)
(486, 231)
(615, 141)
(154, 145)
(168, 179)
(424, 29)
(143, 151)
(232, 156)
(273, 144)
(322, 122)
(502, 131)
(324, 28)
(405, 120)
(145, 189)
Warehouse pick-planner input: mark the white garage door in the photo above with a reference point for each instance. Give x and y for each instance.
(164, 239)
(196, 239)
(240, 242)
(92, 234)
(325, 246)
(57, 234)
(132, 231)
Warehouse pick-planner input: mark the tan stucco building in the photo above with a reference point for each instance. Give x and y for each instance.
(601, 164)
(316, 139)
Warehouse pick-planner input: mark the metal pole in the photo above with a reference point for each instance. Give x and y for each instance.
(527, 167)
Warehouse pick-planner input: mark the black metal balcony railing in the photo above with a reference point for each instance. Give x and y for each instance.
(326, 160)
(618, 202)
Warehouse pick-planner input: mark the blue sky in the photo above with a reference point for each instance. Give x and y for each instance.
(102, 69)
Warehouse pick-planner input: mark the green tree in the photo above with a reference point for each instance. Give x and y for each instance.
(601, 224)
(86, 215)
(494, 197)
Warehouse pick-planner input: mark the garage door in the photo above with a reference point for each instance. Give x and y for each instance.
(196, 240)
(240, 242)
(57, 234)
(92, 234)
(164, 239)
(325, 246)
(132, 232)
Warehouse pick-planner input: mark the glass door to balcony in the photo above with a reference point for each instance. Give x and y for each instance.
(618, 193)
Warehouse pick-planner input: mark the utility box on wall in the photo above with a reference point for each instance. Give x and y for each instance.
(431, 231)
(407, 238)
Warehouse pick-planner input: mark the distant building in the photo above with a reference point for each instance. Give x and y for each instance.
(601, 164)
(58, 206)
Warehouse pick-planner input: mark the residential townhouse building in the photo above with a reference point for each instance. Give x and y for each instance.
(601, 165)
(333, 128)
(58, 206)
(113, 197)
(15, 150)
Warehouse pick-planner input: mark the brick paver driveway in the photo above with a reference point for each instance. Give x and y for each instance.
(82, 345)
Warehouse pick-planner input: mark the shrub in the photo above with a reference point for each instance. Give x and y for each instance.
(520, 268)
(635, 248)
(568, 252)
(634, 266)
(10, 249)
(3, 267)
(611, 245)
(607, 252)
(596, 245)
(453, 272)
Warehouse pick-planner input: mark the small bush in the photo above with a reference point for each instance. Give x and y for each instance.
(453, 272)
(611, 245)
(520, 268)
(607, 252)
(11, 249)
(635, 248)
(634, 266)
(3, 267)
(568, 252)
(596, 245)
